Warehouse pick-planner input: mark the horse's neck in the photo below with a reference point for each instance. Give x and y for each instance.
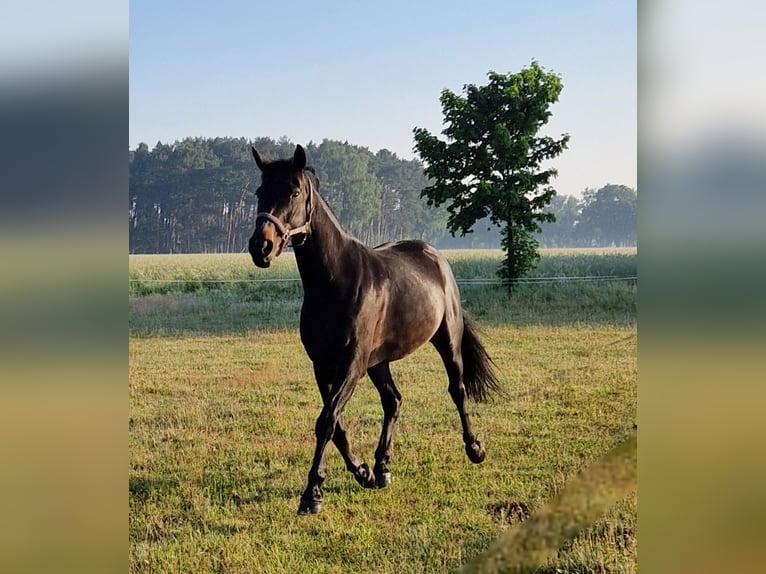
(320, 258)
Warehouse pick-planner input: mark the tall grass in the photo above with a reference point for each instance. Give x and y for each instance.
(191, 273)
(191, 294)
(160, 274)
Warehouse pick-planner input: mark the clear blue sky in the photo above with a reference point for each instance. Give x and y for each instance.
(370, 72)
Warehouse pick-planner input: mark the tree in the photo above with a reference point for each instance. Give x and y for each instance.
(609, 215)
(197, 194)
(403, 213)
(491, 161)
(561, 232)
(347, 184)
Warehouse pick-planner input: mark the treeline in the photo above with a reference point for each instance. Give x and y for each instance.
(607, 217)
(198, 196)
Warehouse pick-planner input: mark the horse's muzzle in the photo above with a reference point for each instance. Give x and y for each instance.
(261, 251)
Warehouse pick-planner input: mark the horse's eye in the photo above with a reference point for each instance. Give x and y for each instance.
(296, 193)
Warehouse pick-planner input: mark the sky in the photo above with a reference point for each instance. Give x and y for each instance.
(368, 73)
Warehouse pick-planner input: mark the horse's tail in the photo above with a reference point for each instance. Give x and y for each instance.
(479, 375)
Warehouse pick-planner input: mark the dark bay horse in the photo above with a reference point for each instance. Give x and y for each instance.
(362, 309)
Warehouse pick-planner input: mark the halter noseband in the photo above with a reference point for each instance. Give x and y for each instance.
(284, 230)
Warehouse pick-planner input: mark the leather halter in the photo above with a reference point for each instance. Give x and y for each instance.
(284, 230)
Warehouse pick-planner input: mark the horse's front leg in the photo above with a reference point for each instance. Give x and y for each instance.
(360, 470)
(348, 374)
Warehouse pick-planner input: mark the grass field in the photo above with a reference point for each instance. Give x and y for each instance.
(222, 410)
(202, 294)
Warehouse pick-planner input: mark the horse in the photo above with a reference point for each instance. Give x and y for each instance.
(362, 309)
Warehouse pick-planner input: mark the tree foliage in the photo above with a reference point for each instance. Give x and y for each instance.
(492, 160)
(610, 213)
(607, 217)
(348, 184)
(197, 195)
(560, 232)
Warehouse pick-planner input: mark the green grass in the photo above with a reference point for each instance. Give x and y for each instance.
(222, 411)
(161, 274)
(196, 294)
(221, 438)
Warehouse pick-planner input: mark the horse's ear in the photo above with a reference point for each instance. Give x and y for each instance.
(259, 161)
(299, 158)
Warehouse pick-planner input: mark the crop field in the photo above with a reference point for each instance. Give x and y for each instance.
(223, 404)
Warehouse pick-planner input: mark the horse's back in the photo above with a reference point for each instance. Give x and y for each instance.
(414, 256)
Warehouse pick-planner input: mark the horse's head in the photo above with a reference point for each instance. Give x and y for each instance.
(284, 205)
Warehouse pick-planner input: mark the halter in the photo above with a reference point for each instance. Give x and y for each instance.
(284, 230)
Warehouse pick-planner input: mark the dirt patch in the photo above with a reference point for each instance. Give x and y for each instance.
(509, 512)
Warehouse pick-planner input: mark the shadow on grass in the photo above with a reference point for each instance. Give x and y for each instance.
(142, 488)
(220, 489)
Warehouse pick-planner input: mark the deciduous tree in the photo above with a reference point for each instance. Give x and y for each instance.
(493, 160)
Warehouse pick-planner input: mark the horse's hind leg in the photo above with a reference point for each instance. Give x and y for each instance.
(447, 342)
(360, 470)
(391, 400)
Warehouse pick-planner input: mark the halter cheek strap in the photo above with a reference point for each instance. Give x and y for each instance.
(284, 230)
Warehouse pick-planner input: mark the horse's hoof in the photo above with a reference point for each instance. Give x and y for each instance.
(365, 476)
(311, 501)
(382, 479)
(475, 452)
(309, 507)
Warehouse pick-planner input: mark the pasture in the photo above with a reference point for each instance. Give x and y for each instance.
(223, 404)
